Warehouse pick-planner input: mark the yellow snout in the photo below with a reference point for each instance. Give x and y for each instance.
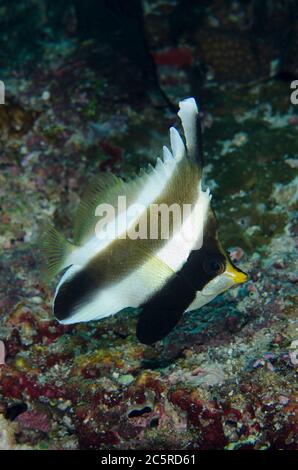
(235, 274)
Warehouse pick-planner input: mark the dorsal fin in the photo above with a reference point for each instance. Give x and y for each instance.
(102, 189)
(106, 188)
(148, 185)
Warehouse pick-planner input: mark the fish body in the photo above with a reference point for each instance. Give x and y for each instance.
(159, 251)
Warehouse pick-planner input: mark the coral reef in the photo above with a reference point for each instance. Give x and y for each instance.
(225, 377)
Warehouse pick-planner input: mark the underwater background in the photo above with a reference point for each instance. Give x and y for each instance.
(93, 86)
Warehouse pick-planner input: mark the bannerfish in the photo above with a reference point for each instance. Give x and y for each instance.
(177, 266)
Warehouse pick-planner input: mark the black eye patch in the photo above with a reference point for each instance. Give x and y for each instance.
(214, 264)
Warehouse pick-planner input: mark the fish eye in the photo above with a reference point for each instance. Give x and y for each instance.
(213, 265)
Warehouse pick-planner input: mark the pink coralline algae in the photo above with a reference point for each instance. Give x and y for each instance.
(34, 420)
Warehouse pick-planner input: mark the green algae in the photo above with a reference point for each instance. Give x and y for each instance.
(91, 109)
(54, 132)
(246, 175)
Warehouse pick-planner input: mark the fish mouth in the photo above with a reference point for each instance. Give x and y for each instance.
(237, 276)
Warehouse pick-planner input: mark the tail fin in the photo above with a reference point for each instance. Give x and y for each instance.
(55, 251)
(191, 124)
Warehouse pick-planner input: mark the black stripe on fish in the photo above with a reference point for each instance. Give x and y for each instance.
(73, 293)
(161, 313)
(199, 155)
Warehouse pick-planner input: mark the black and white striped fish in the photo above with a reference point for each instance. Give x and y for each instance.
(164, 276)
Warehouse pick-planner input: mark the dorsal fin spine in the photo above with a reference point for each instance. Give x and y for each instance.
(190, 120)
(177, 144)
